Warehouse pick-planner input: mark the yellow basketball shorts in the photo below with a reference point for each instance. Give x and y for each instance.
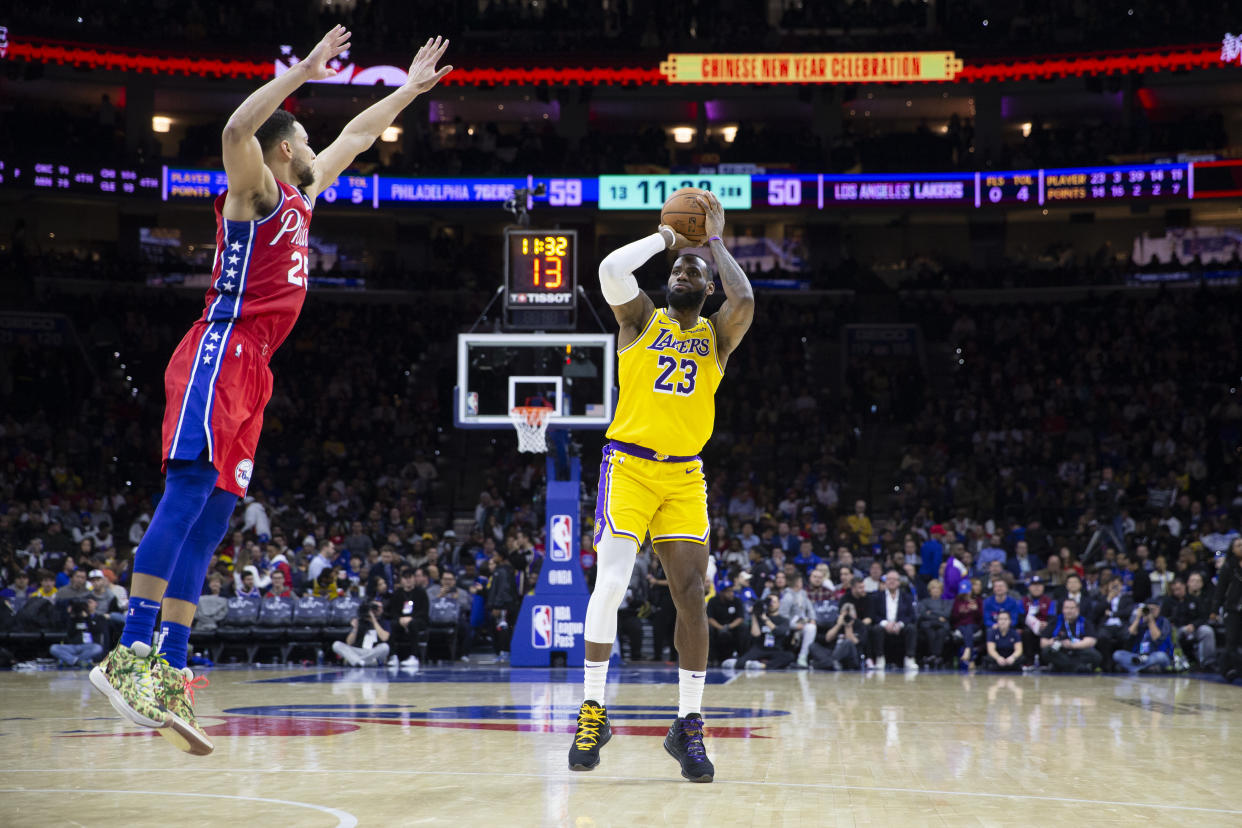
(638, 495)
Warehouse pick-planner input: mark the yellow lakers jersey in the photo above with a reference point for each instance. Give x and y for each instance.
(668, 380)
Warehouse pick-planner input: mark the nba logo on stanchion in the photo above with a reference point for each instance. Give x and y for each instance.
(541, 627)
(562, 538)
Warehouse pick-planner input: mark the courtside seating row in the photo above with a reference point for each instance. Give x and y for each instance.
(285, 625)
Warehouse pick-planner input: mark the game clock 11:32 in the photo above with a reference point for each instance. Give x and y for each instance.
(540, 268)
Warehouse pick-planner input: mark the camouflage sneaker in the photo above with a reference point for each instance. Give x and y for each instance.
(125, 678)
(175, 691)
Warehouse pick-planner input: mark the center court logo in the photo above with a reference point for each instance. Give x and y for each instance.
(562, 538)
(241, 474)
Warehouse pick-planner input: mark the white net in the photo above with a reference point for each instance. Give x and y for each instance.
(531, 423)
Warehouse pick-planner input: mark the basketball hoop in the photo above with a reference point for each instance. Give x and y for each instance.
(531, 423)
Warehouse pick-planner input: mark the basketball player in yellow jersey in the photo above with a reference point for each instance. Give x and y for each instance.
(651, 481)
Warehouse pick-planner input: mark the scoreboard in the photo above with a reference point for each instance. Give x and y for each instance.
(1071, 187)
(541, 279)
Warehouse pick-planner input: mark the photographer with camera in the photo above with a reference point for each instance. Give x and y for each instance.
(1069, 644)
(769, 630)
(375, 629)
(838, 646)
(1153, 649)
(87, 633)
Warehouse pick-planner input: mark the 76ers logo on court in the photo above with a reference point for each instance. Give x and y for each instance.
(541, 627)
(242, 473)
(562, 538)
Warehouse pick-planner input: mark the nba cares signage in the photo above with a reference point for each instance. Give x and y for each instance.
(819, 67)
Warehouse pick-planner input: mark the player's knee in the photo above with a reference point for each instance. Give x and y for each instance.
(689, 591)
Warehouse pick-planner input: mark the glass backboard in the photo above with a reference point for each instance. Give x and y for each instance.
(575, 374)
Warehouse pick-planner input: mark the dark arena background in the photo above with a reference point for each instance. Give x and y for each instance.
(991, 390)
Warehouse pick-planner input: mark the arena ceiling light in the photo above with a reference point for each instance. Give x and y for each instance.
(728, 134)
(683, 134)
(161, 123)
(391, 135)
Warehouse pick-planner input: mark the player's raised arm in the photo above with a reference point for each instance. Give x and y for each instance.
(733, 319)
(631, 305)
(251, 184)
(360, 133)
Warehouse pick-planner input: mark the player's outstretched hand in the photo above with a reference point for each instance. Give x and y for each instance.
(423, 71)
(715, 221)
(333, 43)
(674, 240)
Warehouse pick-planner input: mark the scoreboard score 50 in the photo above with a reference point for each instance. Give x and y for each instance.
(541, 277)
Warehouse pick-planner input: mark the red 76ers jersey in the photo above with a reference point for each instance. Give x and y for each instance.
(261, 269)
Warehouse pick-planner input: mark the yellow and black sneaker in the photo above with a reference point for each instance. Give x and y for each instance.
(592, 734)
(684, 743)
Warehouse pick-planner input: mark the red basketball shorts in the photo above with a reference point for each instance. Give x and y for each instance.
(217, 384)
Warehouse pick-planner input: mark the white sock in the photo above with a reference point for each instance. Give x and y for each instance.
(594, 677)
(690, 697)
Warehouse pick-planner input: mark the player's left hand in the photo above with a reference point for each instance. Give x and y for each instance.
(423, 71)
(715, 221)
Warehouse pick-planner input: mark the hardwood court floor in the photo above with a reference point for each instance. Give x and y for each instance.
(486, 745)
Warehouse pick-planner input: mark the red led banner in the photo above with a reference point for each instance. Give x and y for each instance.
(85, 56)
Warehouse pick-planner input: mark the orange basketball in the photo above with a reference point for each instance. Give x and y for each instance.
(685, 215)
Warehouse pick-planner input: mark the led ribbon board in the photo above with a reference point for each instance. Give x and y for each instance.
(819, 67)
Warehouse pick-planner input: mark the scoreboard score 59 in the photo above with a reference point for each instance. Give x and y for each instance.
(541, 278)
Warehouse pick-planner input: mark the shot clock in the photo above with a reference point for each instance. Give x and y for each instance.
(541, 279)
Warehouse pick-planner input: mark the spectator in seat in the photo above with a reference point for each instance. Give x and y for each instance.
(1039, 610)
(1228, 601)
(503, 601)
(17, 592)
(874, 581)
(797, 607)
(358, 542)
(106, 603)
(893, 619)
(967, 619)
(212, 606)
(726, 616)
(1069, 646)
(279, 588)
(1023, 566)
(806, 559)
(1112, 617)
(1153, 641)
(367, 642)
(1073, 588)
(931, 554)
(996, 572)
(1000, 601)
(768, 632)
(1189, 616)
(87, 633)
(408, 612)
(75, 590)
(859, 525)
(1004, 645)
(991, 551)
(934, 613)
(247, 588)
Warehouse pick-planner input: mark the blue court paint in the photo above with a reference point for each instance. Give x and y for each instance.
(518, 712)
(493, 675)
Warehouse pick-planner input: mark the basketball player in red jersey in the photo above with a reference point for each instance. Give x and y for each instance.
(217, 382)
